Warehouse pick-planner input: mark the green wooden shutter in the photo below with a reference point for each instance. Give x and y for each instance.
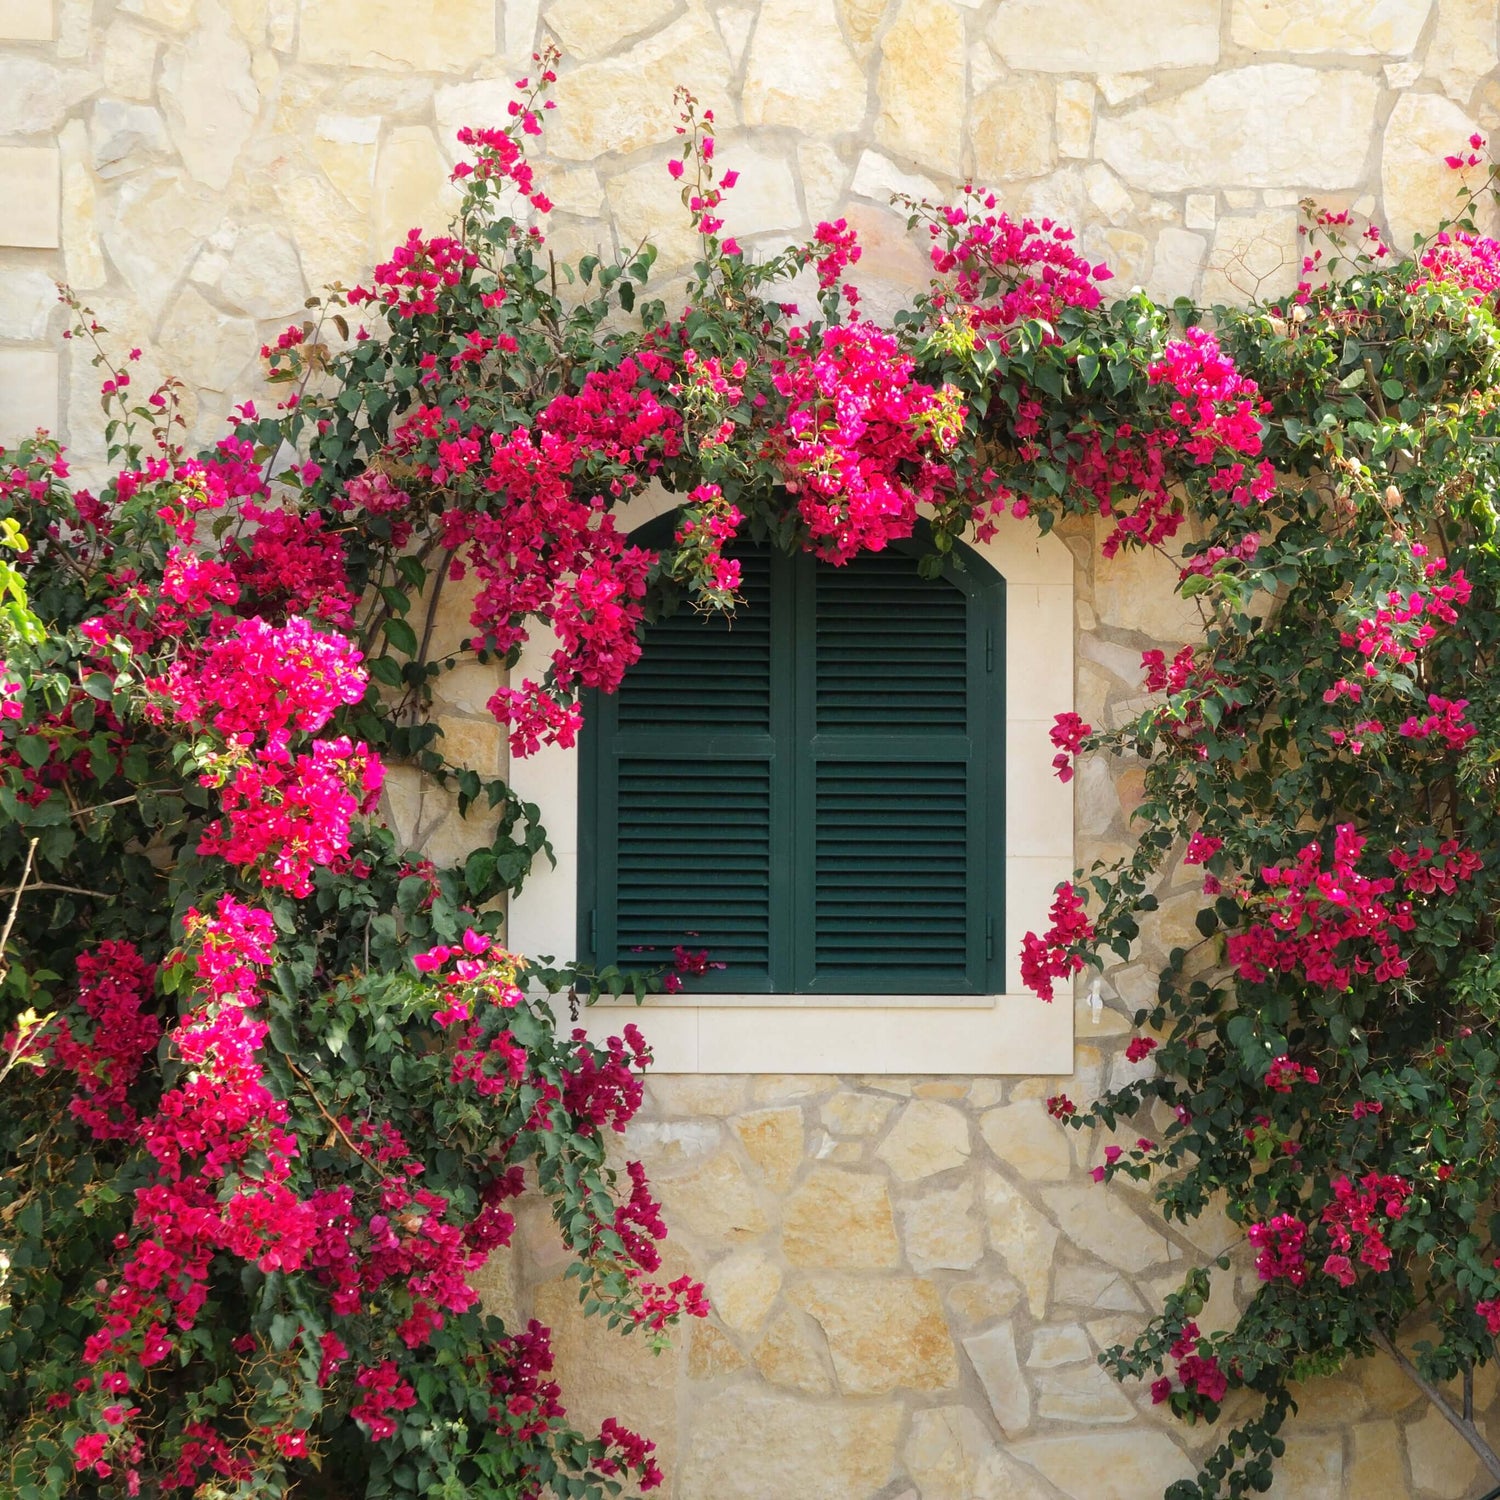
(809, 791)
(683, 804)
(894, 782)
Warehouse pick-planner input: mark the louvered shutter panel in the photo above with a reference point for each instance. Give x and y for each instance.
(809, 791)
(893, 781)
(685, 812)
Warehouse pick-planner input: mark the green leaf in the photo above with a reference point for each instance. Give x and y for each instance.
(401, 636)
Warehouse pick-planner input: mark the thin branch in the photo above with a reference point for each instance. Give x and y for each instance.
(45, 885)
(322, 1110)
(1463, 1426)
(15, 905)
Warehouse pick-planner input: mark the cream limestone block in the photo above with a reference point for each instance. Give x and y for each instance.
(787, 1356)
(1419, 187)
(27, 297)
(175, 15)
(823, 177)
(26, 20)
(264, 275)
(588, 28)
(481, 103)
(1075, 117)
(817, 89)
(574, 190)
(203, 346)
(742, 1288)
(607, 1373)
(519, 33)
(130, 60)
(1253, 255)
(696, 1094)
(1354, 26)
(1200, 211)
(922, 86)
(993, 1355)
(1262, 126)
(1024, 1136)
(31, 192)
(1107, 1465)
(1083, 1393)
(710, 1353)
(625, 102)
(983, 1301)
(28, 393)
(1011, 131)
(927, 1138)
(345, 146)
(1107, 193)
(777, 1088)
(1136, 590)
(125, 137)
(1056, 1344)
(764, 200)
(748, 1444)
(34, 95)
(878, 178)
(883, 1335)
(645, 203)
(862, 20)
(1023, 1238)
(735, 25)
(153, 227)
(1096, 1287)
(848, 1113)
(941, 1230)
(1099, 1221)
(670, 1145)
(838, 1219)
(1126, 253)
(715, 1200)
(412, 188)
(1175, 267)
(440, 36)
(1087, 36)
(951, 1456)
(1377, 1468)
(1442, 1465)
(1312, 1468)
(209, 96)
(1463, 49)
(773, 1140)
(1118, 87)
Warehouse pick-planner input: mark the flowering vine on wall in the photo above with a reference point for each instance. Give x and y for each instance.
(271, 1080)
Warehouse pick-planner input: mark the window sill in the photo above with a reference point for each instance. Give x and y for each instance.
(686, 1000)
(981, 1035)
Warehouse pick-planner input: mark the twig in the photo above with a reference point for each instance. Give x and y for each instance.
(45, 885)
(322, 1110)
(15, 905)
(1463, 1426)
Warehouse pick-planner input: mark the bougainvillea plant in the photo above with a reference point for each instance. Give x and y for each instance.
(269, 1079)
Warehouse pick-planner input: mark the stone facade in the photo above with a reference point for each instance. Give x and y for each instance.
(912, 1277)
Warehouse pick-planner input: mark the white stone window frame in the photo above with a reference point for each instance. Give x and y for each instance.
(1009, 1033)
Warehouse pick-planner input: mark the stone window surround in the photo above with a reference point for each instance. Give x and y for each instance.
(886, 1034)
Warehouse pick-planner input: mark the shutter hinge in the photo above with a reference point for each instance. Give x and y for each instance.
(989, 651)
(594, 934)
(989, 939)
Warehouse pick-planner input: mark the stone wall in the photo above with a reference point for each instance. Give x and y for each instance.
(912, 1276)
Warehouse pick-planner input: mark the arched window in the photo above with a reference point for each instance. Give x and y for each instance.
(811, 791)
